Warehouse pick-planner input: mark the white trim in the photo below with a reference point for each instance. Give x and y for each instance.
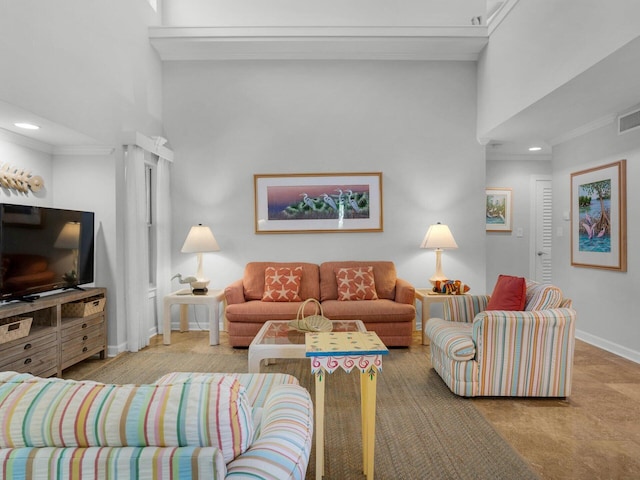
(584, 129)
(149, 144)
(624, 352)
(21, 140)
(462, 43)
(84, 150)
(497, 18)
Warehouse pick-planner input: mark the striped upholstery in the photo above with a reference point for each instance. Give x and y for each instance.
(279, 449)
(528, 353)
(462, 308)
(168, 463)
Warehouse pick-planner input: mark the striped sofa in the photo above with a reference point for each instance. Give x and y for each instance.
(505, 353)
(184, 426)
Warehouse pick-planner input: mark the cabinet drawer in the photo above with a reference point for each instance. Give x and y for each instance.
(91, 340)
(79, 326)
(30, 345)
(42, 362)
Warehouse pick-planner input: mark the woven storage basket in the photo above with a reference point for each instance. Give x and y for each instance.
(84, 307)
(311, 323)
(12, 328)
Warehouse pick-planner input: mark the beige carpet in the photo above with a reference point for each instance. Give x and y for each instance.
(423, 431)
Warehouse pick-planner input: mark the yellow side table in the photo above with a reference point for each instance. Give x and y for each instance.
(332, 350)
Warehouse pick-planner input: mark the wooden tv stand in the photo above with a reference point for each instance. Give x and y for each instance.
(54, 342)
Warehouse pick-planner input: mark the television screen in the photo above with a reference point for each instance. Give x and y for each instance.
(44, 249)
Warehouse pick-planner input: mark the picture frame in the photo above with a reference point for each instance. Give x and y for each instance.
(318, 202)
(498, 211)
(599, 217)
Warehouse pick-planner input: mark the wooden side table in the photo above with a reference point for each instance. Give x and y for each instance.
(184, 298)
(428, 297)
(328, 352)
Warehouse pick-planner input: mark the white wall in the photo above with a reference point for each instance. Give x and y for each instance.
(15, 153)
(506, 252)
(543, 44)
(280, 13)
(413, 121)
(607, 301)
(87, 66)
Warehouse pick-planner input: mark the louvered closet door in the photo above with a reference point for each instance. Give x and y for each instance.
(543, 217)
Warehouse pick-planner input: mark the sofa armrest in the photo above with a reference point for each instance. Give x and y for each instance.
(527, 353)
(405, 292)
(464, 308)
(234, 293)
(453, 338)
(284, 438)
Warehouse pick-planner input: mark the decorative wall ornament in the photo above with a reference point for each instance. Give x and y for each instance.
(19, 179)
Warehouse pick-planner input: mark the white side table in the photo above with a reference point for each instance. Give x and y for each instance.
(428, 297)
(184, 298)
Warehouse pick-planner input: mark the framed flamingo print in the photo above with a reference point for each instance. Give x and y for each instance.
(318, 202)
(599, 217)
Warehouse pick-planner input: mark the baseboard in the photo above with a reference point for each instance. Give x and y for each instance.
(614, 348)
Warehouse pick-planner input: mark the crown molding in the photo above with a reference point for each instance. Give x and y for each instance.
(23, 141)
(83, 150)
(463, 43)
(584, 129)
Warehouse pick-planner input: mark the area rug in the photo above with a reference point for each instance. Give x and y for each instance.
(423, 431)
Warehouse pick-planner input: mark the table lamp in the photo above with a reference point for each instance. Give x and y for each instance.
(69, 239)
(199, 240)
(438, 237)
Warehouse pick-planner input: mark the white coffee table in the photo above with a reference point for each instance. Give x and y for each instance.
(275, 340)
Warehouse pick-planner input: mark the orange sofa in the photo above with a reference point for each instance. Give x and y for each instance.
(391, 316)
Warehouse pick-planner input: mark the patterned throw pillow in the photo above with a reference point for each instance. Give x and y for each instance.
(282, 284)
(356, 283)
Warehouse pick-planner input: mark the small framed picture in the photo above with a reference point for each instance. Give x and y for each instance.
(498, 209)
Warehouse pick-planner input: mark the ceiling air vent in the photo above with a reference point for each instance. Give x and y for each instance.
(628, 121)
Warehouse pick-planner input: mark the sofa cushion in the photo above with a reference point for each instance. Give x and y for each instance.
(356, 283)
(254, 277)
(453, 338)
(384, 274)
(542, 296)
(282, 284)
(510, 293)
(52, 412)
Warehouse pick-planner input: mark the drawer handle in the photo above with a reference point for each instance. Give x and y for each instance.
(85, 349)
(85, 337)
(84, 325)
(27, 346)
(27, 361)
(96, 303)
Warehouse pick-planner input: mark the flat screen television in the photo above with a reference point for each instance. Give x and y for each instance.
(44, 249)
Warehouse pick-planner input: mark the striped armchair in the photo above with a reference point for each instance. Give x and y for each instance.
(505, 353)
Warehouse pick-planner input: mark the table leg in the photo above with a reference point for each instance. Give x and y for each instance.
(166, 324)
(214, 324)
(369, 380)
(320, 380)
(184, 318)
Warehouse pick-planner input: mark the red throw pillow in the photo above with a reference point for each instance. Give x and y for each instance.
(356, 283)
(282, 284)
(510, 293)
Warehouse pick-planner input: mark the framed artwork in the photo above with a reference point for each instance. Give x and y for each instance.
(318, 202)
(599, 217)
(498, 209)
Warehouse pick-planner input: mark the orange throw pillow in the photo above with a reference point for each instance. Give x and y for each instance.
(356, 283)
(282, 284)
(510, 293)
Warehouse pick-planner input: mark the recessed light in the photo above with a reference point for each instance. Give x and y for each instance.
(26, 125)
(535, 149)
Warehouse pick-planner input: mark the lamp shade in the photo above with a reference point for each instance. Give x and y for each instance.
(69, 236)
(200, 239)
(438, 237)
